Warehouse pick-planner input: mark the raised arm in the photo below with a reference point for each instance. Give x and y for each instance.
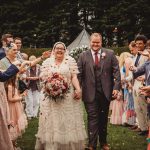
(44, 56)
(139, 71)
(11, 71)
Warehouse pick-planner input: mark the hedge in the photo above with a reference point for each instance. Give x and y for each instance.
(34, 51)
(38, 51)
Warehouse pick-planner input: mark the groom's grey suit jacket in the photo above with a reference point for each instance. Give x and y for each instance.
(110, 74)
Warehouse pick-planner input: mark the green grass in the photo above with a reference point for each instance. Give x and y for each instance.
(119, 138)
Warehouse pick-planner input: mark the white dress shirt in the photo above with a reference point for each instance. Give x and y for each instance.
(98, 53)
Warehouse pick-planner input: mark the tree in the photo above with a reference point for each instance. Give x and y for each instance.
(43, 22)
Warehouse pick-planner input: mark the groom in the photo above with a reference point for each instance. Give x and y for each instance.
(99, 77)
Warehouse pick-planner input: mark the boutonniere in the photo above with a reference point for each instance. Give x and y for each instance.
(103, 55)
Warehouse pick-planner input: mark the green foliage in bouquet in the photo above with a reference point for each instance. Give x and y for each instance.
(76, 52)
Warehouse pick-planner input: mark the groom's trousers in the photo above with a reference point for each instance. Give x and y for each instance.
(97, 113)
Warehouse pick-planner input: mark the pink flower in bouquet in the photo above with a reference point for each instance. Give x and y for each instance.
(56, 86)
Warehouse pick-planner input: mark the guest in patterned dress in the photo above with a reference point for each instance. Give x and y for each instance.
(128, 118)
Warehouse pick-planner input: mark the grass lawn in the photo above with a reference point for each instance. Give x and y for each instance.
(119, 138)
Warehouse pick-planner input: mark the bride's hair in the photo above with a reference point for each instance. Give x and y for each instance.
(59, 43)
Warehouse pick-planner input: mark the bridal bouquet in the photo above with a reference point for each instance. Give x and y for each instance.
(56, 87)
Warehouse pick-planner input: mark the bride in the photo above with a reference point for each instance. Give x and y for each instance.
(61, 125)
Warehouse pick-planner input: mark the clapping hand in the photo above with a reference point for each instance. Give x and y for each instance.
(141, 78)
(132, 68)
(21, 66)
(24, 65)
(145, 90)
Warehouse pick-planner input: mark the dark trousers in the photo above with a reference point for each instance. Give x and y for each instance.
(97, 113)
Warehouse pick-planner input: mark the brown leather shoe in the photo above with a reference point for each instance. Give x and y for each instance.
(133, 127)
(88, 148)
(105, 147)
(137, 130)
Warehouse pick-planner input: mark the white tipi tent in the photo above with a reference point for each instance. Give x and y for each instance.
(83, 39)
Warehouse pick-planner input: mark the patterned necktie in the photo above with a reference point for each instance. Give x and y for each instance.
(96, 58)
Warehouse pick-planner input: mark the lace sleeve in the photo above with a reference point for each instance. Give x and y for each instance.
(73, 66)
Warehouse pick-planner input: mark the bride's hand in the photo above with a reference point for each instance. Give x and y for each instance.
(77, 94)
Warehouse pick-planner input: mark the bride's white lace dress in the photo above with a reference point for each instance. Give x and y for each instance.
(61, 125)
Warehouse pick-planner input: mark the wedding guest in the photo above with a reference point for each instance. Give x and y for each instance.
(18, 42)
(5, 141)
(134, 51)
(14, 101)
(6, 62)
(6, 39)
(128, 117)
(98, 68)
(142, 70)
(61, 124)
(148, 139)
(117, 110)
(24, 56)
(33, 93)
(17, 115)
(145, 90)
(147, 50)
(139, 100)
